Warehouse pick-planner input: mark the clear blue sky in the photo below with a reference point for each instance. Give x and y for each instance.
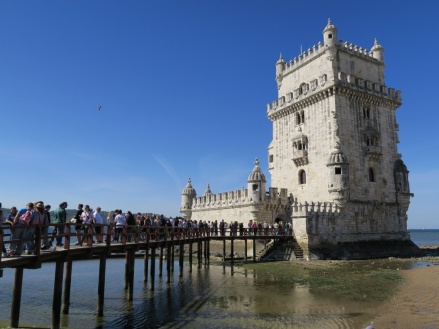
(184, 87)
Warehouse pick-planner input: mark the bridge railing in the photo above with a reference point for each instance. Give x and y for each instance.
(35, 236)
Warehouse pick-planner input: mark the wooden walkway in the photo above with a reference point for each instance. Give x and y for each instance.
(149, 242)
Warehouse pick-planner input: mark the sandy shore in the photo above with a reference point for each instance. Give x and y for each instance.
(415, 305)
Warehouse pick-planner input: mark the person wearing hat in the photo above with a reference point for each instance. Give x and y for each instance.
(39, 219)
(20, 229)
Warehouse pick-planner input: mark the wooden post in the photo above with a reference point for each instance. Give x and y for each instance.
(145, 258)
(168, 264)
(57, 294)
(232, 251)
(152, 267)
(190, 256)
(127, 261)
(131, 260)
(254, 250)
(181, 258)
(172, 253)
(208, 252)
(245, 249)
(16, 297)
(199, 252)
(67, 286)
(224, 251)
(161, 262)
(101, 284)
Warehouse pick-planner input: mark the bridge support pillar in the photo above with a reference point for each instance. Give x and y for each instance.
(168, 263)
(153, 251)
(16, 297)
(67, 286)
(254, 250)
(57, 294)
(181, 259)
(190, 256)
(101, 284)
(245, 250)
(161, 262)
(146, 259)
(130, 273)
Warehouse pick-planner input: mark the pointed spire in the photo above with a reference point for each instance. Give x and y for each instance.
(207, 192)
(281, 59)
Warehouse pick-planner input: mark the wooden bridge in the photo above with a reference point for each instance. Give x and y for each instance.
(135, 241)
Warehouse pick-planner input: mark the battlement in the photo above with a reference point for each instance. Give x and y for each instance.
(239, 198)
(308, 209)
(356, 50)
(318, 49)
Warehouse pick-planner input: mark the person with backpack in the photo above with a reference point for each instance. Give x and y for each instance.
(21, 223)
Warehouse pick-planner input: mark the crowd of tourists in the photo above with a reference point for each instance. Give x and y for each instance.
(90, 224)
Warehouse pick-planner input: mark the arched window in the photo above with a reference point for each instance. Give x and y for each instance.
(302, 177)
(371, 175)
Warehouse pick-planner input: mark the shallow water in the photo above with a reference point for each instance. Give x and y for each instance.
(266, 295)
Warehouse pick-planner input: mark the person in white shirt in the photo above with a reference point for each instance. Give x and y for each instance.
(119, 222)
(98, 224)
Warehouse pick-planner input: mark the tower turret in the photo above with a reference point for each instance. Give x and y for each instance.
(280, 67)
(377, 51)
(256, 184)
(330, 34)
(187, 196)
(338, 185)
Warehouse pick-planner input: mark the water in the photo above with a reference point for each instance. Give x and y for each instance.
(425, 237)
(212, 296)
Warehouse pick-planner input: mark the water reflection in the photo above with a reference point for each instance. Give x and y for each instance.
(214, 296)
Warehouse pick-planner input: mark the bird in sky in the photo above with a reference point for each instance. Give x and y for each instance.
(100, 107)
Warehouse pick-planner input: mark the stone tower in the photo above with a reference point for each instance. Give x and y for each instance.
(334, 145)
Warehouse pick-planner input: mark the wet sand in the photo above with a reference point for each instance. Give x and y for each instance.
(415, 305)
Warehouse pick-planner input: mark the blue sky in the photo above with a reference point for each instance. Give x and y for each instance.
(183, 87)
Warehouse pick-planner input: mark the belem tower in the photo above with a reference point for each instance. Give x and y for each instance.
(335, 169)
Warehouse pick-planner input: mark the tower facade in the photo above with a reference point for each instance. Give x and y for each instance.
(334, 145)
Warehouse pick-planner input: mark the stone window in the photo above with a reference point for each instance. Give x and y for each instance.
(338, 170)
(366, 113)
(300, 117)
(371, 175)
(271, 158)
(302, 177)
(255, 187)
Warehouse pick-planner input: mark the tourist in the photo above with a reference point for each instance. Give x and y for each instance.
(222, 227)
(9, 221)
(276, 228)
(59, 218)
(39, 220)
(215, 227)
(110, 222)
(45, 229)
(131, 226)
(119, 222)
(87, 221)
(21, 223)
(99, 221)
(78, 220)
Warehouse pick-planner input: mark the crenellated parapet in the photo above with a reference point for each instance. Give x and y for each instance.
(224, 199)
(309, 209)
